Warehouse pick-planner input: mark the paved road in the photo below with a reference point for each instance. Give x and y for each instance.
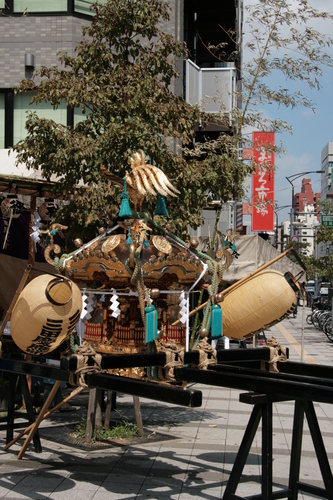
(188, 453)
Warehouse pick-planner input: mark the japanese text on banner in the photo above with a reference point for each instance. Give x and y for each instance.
(263, 182)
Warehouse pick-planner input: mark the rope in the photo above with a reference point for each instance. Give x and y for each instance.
(277, 353)
(59, 263)
(83, 353)
(207, 354)
(137, 281)
(174, 359)
(143, 295)
(74, 341)
(216, 270)
(8, 227)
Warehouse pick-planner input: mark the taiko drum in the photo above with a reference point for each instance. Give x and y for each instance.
(47, 310)
(258, 303)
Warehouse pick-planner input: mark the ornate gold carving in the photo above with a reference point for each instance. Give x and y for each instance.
(145, 179)
(185, 267)
(49, 250)
(111, 243)
(225, 256)
(162, 244)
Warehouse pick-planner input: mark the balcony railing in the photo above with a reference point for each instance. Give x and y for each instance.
(213, 89)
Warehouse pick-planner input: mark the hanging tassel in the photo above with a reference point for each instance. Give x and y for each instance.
(125, 209)
(161, 208)
(216, 321)
(234, 251)
(129, 237)
(150, 324)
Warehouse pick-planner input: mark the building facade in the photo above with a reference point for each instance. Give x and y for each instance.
(326, 188)
(327, 174)
(33, 32)
(305, 198)
(304, 227)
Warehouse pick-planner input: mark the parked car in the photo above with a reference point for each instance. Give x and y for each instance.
(323, 288)
(310, 286)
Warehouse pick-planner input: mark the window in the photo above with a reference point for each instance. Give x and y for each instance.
(2, 121)
(44, 110)
(79, 116)
(82, 6)
(40, 5)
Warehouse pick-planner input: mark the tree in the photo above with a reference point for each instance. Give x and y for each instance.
(120, 78)
(283, 48)
(325, 235)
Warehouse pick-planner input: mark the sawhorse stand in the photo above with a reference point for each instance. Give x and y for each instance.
(263, 410)
(15, 379)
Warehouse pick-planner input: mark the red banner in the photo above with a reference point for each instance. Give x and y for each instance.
(263, 181)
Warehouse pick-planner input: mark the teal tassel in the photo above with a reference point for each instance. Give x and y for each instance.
(129, 238)
(234, 247)
(216, 322)
(161, 208)
(125, 209)
(150, 324)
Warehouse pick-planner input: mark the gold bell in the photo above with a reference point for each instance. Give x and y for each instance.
(78, 243)
(101, 230)
(219, 297)
(204, 332)
(194, 243)
(155, 293)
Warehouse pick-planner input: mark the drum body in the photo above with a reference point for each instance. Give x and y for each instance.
(258, 303)
(46, 311)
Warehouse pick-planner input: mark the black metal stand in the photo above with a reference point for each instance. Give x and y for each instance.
(14, 380)
(263, 410)
(297, 382)
(295, 484)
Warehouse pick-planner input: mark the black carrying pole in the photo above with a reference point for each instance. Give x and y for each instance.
(110, 361)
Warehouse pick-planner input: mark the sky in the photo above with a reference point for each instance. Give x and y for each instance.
(311, 132)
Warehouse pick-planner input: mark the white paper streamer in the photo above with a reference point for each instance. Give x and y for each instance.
(88, 304)
(183, 308)
(114, 304)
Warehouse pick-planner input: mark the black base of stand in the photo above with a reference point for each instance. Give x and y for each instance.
(14, 380)
(263, 410)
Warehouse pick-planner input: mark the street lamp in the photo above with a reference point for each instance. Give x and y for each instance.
(276, 210)
(290, 179)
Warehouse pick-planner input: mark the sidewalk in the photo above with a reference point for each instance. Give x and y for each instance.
(189, 452)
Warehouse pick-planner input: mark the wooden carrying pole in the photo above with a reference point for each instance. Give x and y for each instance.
(231, 287)
(74, 393)
(40, 417)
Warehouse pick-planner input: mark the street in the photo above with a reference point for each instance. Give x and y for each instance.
(187, 453)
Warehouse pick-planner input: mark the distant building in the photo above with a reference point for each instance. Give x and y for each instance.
(326, 188)
(304, 228)
(305, 197)
(326, 176)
